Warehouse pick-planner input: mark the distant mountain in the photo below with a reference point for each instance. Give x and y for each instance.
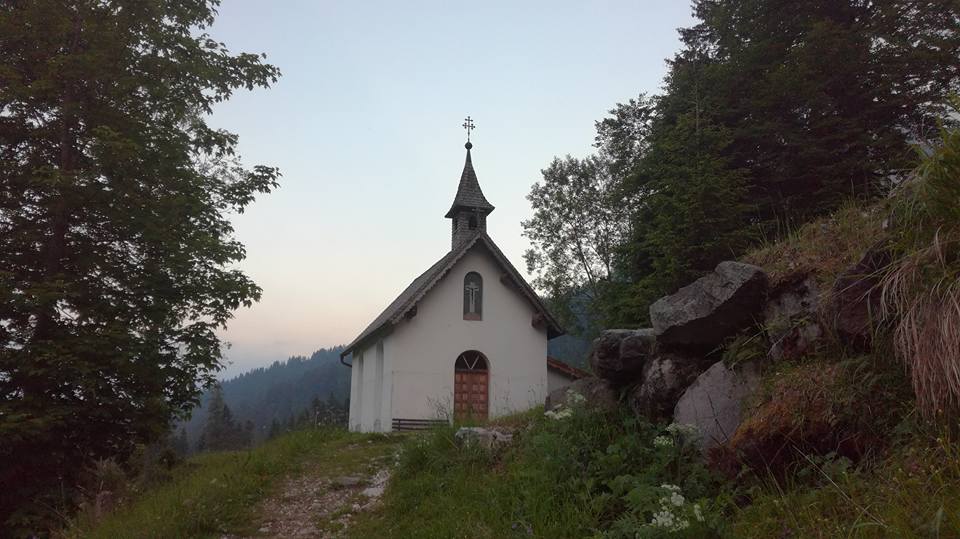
(279, 392)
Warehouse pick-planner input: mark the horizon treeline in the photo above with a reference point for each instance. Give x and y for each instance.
(772, 113)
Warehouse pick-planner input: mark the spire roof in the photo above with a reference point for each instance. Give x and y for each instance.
(469, 195)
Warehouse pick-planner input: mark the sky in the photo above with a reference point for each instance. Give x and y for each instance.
(365, 126)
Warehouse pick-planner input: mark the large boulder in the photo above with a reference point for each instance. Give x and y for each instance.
(791, 318)
(713, 404)
(619, 355)
(590, 392)
(799, 417)
(490, 439)
(856, 299)
(663, 380)
(701, 315)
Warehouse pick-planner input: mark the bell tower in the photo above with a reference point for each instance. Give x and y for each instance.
(470, 208)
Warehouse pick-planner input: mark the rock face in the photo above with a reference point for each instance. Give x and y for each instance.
(489, 439)
(702, 314)
(791, 318)
(596, 392)
(619, 355)
(663, 380)
(856, 299)
(713, 403)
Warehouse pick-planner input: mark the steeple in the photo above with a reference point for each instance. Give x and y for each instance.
(470, 208)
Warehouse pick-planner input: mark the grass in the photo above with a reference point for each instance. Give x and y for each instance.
(824, 247)
(581, 476)
(913, 493)
(217, 493)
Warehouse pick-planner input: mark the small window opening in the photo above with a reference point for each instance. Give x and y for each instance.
(473, 296)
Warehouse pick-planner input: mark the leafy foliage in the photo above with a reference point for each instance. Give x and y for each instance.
(921, 289)
(116, 248)
(576, 473)
(772, 114)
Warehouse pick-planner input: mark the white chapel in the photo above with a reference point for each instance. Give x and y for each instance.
(467, 338)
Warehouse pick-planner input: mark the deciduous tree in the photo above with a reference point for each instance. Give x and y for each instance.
(117, 253)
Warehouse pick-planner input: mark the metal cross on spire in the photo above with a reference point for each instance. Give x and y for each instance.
(469, 126)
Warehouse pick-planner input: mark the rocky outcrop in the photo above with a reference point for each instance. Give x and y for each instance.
(662, 382)
(701, 315)
(714, 402)
(489, 439)
(791, 318)
(796, 419)
(595, 392)
(855, 302)
(619, 355)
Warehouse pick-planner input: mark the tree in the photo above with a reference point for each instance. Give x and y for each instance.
(275, 429)
(181, 445)
(821, 97)
(695, 214)
(222, 431)
(116, 248)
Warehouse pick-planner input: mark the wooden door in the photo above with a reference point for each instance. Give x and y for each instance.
(471, 387)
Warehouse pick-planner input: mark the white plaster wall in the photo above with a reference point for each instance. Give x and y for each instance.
(555, 381)
(370, 390)
(356, 391)
(424, 348)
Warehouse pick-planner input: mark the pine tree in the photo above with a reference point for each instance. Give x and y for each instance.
(181, 444)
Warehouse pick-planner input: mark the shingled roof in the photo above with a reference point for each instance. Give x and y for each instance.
(469, 194)
(408, 299)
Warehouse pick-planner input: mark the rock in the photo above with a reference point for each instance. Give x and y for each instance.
(378, 484)
(713, 403)
(855, 304)
(664, 379)
(797, 419)
(791, 318)
(701, 315)
(489, 439)
(349, 481)
(596, 392)
(618, 355)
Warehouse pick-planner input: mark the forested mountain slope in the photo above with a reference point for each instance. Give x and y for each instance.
(279, 392)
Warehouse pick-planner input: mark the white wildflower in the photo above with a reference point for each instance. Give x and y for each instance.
(559, 413)
(677, 499)
(663, 441)
(575, 398)
(697, 513)
(678, 429)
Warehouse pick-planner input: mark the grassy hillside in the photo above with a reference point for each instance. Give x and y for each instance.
(850, 439)
(214, 494)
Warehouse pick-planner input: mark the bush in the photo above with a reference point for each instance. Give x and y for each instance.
(572, 473)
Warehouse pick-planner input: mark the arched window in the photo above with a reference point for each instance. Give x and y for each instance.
(471, 361)
(473, 296)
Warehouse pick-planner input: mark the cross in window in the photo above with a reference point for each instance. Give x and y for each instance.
(473, 289)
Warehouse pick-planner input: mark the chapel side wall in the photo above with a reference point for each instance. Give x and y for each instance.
(354, 423)
(556, 381)
(372, 391)
(426, 347)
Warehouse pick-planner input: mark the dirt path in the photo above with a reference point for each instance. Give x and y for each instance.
(321, 501)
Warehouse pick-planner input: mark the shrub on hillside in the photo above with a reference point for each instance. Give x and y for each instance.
(921, 288)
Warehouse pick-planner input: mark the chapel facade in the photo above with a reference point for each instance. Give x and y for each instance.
(466, 339)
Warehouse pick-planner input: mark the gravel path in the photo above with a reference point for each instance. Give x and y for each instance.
(319, 503)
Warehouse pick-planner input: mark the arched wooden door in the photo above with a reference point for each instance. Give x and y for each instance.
(471, 386)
